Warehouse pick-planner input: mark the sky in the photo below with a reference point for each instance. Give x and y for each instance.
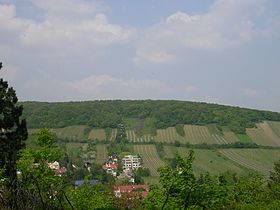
(216, 51)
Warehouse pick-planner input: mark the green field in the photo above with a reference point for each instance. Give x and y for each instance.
(101, 153)
(149, 127)
(150, 157)
(260, 160)
(263, 135)
(140, 126)
(97, 133)
(244, 138)
(205, 160)
(130, 123)
(72, 133)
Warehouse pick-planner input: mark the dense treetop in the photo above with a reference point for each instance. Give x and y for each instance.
(165, 113)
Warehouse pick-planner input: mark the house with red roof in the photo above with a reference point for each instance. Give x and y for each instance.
(133, 190)
(111, 168)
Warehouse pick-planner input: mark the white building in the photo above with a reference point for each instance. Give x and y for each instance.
(131, 162)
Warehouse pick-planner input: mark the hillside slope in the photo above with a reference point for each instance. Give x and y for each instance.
(161, 114)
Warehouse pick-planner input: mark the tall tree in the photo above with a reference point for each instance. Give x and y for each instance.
(36, 176)
(13, 132)
(179, 188)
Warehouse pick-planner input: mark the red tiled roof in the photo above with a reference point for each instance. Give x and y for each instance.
(113, 166)
(129, 189)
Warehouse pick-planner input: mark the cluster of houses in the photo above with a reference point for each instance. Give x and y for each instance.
(130, 163)
(111, 165)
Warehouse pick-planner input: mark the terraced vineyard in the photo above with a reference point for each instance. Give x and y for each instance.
(206, 160)
(230, 137)
(113, 135)
(198, 134)
(219, 139)
(275, 126)
(132, 137)
(267, 134)
(237, 160)
(213, 161)
(73, 133)
(260, 160)
(194, 134)
(168, 135)
(101, 153)
(227, 137)
(263, 135)
(97, 133)
(150, 157)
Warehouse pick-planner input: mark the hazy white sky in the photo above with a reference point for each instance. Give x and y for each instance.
(222, 51)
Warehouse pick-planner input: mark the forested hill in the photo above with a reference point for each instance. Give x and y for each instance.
(164, 113)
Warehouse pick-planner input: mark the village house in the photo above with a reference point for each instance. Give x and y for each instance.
(111, 168)
(111, 165)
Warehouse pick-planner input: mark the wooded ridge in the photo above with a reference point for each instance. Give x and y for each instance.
(165, 113)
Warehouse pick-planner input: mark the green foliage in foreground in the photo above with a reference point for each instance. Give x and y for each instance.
(13, 133)
(161, 114)
(36, 177)
(88, 197)
(180, 189)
